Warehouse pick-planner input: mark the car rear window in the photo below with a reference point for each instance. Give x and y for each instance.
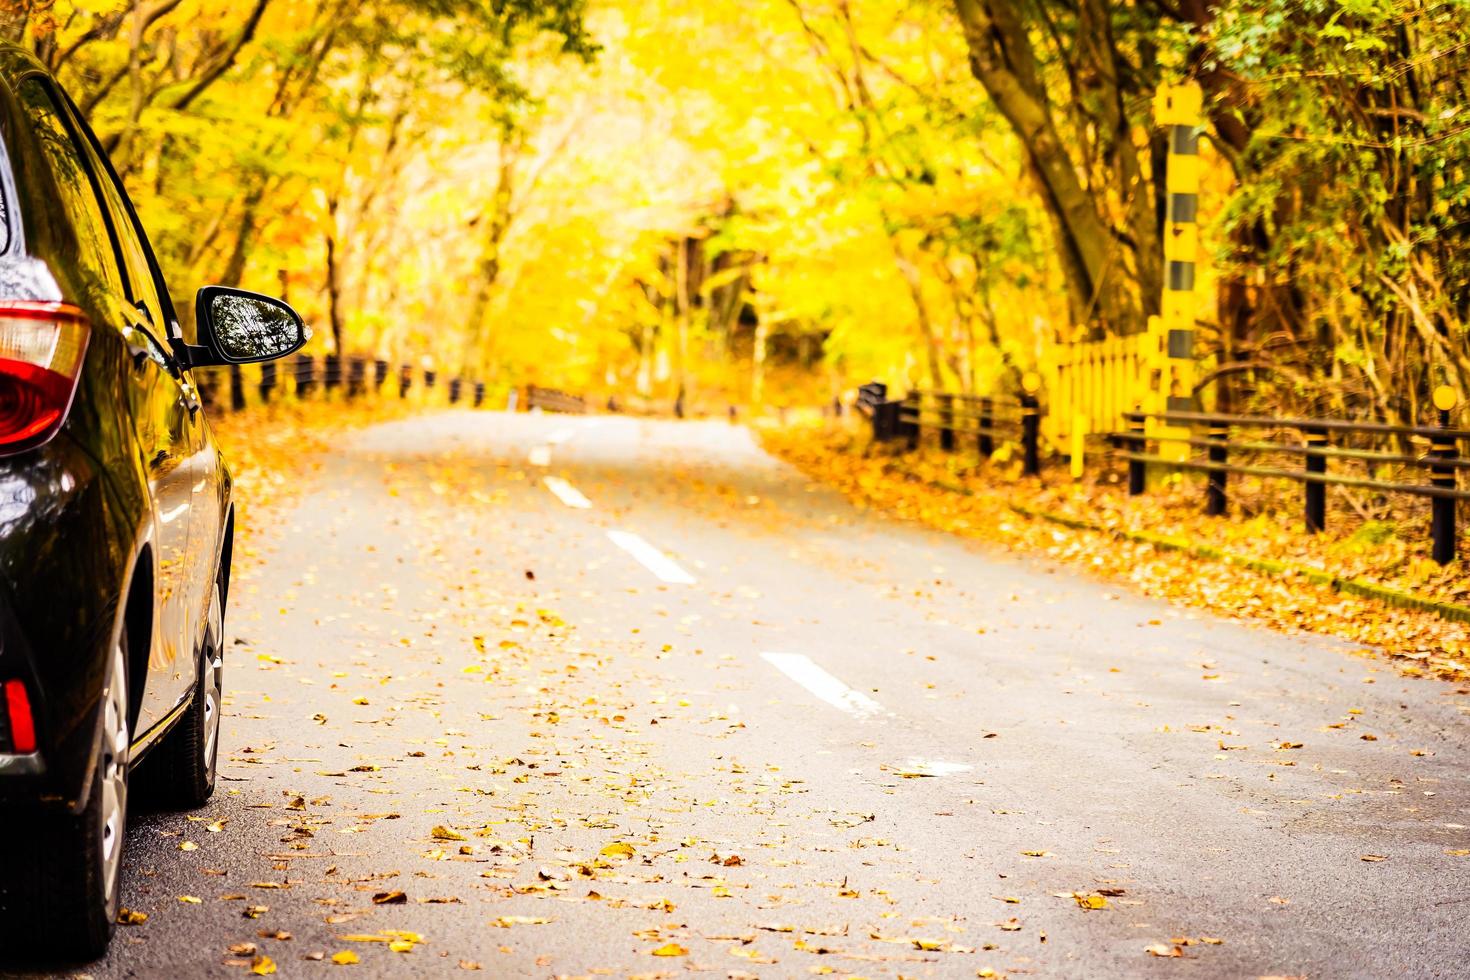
(78, 201)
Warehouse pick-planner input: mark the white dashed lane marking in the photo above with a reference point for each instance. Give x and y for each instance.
(915, 766)
(816, 680)
(567, 493)
(651, 558)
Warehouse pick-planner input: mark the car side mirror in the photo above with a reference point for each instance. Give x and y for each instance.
(240, 327)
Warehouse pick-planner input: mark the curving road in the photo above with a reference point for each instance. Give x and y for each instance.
(547, 696)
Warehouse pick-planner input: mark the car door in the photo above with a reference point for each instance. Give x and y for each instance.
(182, 424)
(205, 471)
(163, 410)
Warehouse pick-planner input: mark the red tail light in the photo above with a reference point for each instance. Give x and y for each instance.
(41, 350)
(22, 725)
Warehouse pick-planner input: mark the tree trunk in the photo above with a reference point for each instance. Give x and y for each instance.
(497, 220)
(235, 267)
(758, 364)
(334, 290)
(647, 342)
(914, 281)
(1003, 60)
(682, 261)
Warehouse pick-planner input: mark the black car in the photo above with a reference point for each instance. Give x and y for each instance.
(116, 521)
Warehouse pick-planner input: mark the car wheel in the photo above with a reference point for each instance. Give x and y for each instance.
(59, 886)
(180, 771)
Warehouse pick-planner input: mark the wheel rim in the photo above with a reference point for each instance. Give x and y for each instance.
(114, 771)
(214, 669)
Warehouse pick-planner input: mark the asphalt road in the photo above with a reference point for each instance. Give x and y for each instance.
(584, 690)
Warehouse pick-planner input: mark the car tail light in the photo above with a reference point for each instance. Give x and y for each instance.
(41, 351)
(18, 709)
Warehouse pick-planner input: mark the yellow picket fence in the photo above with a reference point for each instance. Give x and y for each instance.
(1090, 385)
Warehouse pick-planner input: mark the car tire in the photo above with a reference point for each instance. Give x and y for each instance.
(60, 882)
(179, 773)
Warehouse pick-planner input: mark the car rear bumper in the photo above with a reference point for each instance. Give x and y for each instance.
(63, 565)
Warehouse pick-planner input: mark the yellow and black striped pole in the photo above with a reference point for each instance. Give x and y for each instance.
(1178, 107)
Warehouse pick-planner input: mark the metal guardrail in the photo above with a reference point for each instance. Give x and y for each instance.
(551, 400)
(1442, 460)
(303, 376)
(1207, 442)
(873, 403)
(984, 417)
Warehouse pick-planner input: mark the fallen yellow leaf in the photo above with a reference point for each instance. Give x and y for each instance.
(506, 921)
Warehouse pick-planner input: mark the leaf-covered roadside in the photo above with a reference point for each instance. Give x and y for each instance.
(913, 487)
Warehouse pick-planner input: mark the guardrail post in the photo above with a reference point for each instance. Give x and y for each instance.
(872, 400)
(1316, 492)
(429, 378)
(356, 377)
(1442, 513)
(1030, 435)
(913, 402)
(267, 381)
(405, 380)
(946, 421)
(206, 381)
(987, 422)
(237, 388)
(305, 375)
(380, 373)
(1215, 501)
(885, 420)
(455, 385)
(1138, 445)
(479, 393)
(332, 372)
